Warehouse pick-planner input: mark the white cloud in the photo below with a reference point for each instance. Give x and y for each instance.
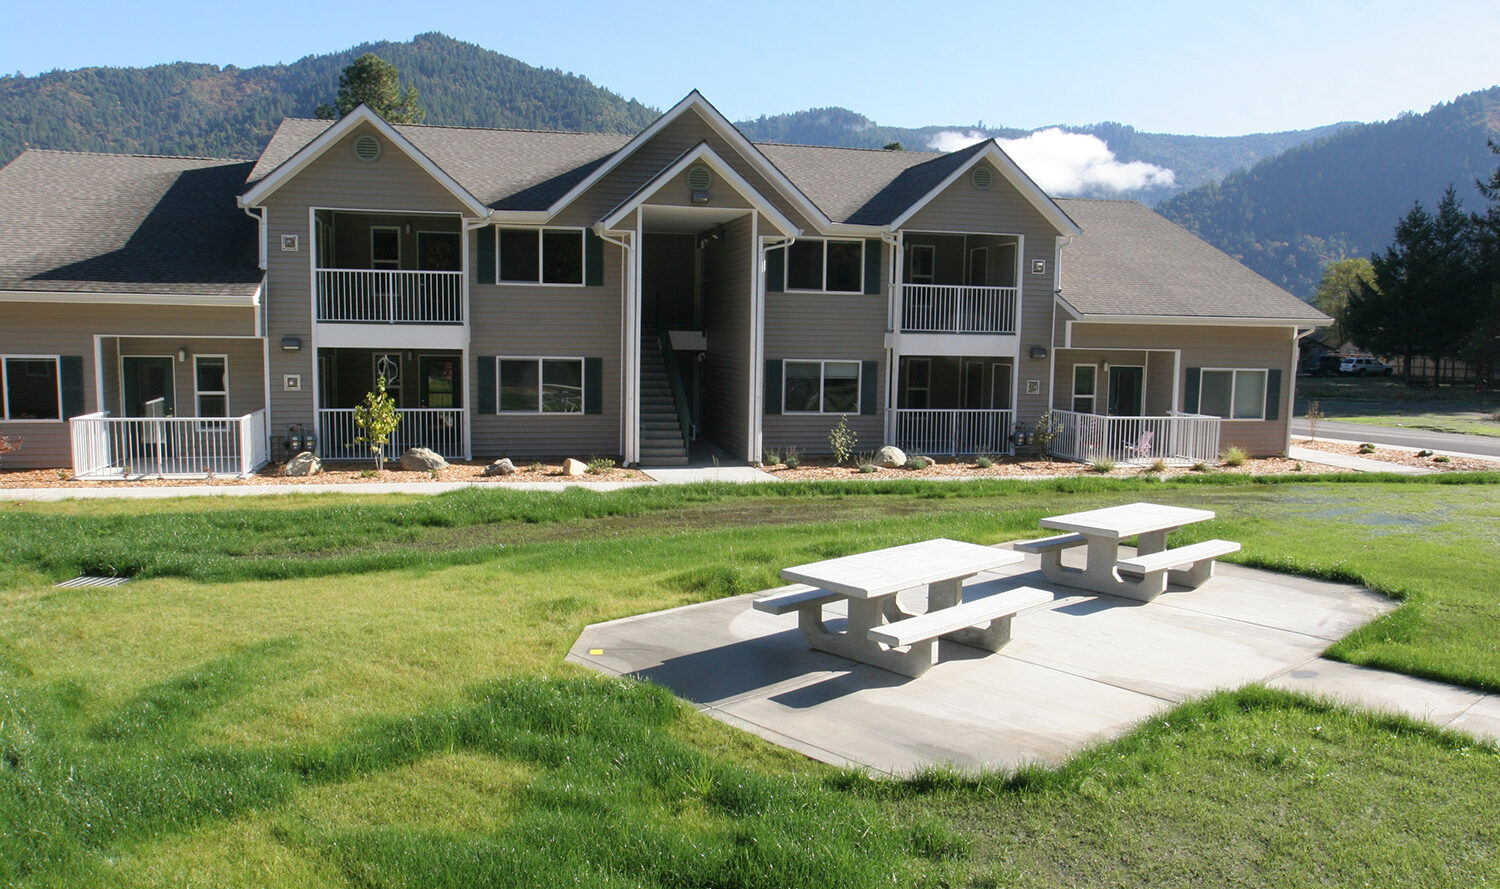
(1064, 163)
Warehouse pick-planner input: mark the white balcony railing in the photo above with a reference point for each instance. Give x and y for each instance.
(380, 296)
(954, 432)
(945, 308)
(106, 447)
(1181, 439)
(439, 429)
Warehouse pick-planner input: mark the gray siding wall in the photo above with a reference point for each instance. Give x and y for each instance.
(67, 329)
(828, 326)
(1221, 347)
(727, 323)
(963, 208)
(247, 392)
(523, 320)
(335, 180)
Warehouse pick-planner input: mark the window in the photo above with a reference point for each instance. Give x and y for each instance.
(211, 385)
(541, 385)
(820, 387)
(1233, 394)
(921, 263)
(30, 387)
(1084, 382)
(385, 247)
(918, 382)
(826, 266)
(541, 256)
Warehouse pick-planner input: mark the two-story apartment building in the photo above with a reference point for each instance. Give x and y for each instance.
(544, 294)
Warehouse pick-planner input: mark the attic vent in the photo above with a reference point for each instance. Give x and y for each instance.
(700, 178)
(367, 148)
(982, 178)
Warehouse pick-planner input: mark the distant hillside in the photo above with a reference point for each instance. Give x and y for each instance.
(1194, 159)
(1342, 195)
(197, 109)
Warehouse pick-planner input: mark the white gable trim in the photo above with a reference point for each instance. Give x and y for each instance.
(702, 152)
(1194, 320)
(208, 300)
(310, 152)
(1017, 179)
(726, 130)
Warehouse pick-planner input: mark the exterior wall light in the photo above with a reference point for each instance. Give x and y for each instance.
(291, 343)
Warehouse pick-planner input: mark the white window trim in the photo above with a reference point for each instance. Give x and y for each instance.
(969, 266)
(1234, 382)
(5, 387)
(925, 390)
(373, 260)
(786, 267)
(541, 259)
(859, 384)
(1073, 388)
(583, 388)
(930, 277)
(199, 393)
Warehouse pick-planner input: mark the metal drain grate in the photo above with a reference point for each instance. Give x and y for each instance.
(90, 580)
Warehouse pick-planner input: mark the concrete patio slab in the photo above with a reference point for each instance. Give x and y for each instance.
(1083, 669)
(686, 475)
(1434, 702)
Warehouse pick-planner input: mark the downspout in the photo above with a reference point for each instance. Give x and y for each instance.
(892, 323)
(629, 347)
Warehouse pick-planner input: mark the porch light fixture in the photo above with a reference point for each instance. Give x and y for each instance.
(291, 343)
(1039, 352)
(182, 355)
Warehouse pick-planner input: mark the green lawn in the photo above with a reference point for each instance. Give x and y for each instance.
(1387, 401)
(367, 691)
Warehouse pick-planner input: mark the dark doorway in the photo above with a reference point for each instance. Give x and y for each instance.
(439, 384)
(145, 380)
(437, 251)
(1126, 390)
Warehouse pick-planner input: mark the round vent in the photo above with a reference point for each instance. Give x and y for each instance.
(700, 178)
(367, 149)
(982, 177)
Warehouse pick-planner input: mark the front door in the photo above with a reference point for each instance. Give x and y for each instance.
(974, 385)
(146, 382)
(1126, 390)
(439, 384)
(437, 251)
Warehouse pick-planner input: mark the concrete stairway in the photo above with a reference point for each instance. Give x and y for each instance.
(661, 434)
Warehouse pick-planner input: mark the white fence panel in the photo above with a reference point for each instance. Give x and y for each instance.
(167, 447)
(954, 432)
(1175, 438)
(384, 296)
(439, 429)
(946, 308)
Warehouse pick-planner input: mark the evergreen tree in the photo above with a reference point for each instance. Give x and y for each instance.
(1483, 347)
(371, 80)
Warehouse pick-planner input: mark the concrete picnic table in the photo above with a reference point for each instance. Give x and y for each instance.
(870, 581)
(1101, 531)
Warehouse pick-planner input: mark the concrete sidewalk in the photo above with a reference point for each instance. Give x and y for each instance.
(1083, 669)
(1354, 464)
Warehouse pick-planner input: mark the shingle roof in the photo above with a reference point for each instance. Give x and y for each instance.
(864, 186)
(1131, 260)
(111, 223)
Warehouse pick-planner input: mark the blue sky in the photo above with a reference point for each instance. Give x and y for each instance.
(1182, 67)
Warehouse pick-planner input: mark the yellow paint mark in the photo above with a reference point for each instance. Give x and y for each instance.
(596, 651)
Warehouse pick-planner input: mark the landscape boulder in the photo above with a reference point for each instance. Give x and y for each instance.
(503, 466)
(574, 467)
(890, 457)
(422, 460)
(304, 464)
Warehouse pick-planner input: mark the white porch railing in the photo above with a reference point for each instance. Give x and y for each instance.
(945, 308)
(954, 432)
(381, 296)
(106, 447)
(438, 428)
(1176, 438)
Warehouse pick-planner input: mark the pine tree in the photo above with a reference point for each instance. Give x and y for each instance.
(371, 80)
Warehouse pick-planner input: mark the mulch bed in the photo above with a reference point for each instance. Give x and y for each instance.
(1403, 456)
(333, 473)
(1020, 467)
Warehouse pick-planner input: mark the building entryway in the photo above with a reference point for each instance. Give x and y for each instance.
(147, 386)
(1127, 390)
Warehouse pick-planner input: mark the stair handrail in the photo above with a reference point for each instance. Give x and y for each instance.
(674, 379)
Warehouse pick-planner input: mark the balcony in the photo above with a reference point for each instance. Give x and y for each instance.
(1176, 439)
(957, 308)
(123, 448)
(382, 296)
(438, 429)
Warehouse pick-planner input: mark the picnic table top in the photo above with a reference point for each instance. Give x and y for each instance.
(885, 571)
(1127, 520)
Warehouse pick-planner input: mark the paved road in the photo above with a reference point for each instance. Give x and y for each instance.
(1415, 439)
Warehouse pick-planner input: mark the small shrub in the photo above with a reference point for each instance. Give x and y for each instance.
(772, 457)
(1048, 428)
(1234, 455)
(369, 473)
(433, 474)
(1157, 465)
(9, 444)
(918, 463)
(868, 468)
(1424, 453)
(841, 440)
(1200, 466)
(534, 466)
(65, 475)
(1297, 468)
(1441, 458)
(1314, 414)
(1102, 466)
(792, 458)
(1366, 448)
(600, 465)
(984, 461)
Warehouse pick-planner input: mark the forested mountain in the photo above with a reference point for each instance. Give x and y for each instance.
(196, 109)
(1342, 195)
(1194, 159)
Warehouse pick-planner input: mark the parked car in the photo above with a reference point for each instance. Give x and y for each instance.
(1364, 366)
(1324, 365)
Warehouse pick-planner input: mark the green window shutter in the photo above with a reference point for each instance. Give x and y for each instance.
(71, 368)
(593, 385)
(1190, 392)
(593, 259)
(869, 379)
(484, 257)
(484, 384)
(776, 270)
(773, 386)
(872, 265)
(1273, 394)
